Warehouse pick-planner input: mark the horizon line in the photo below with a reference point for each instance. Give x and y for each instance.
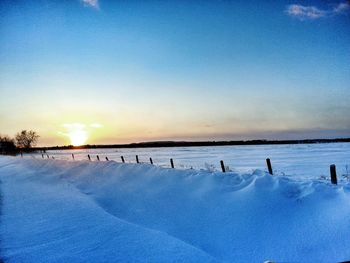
(185, 143)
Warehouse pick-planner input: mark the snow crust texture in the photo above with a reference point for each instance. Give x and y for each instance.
(296, 160)
(65, 211)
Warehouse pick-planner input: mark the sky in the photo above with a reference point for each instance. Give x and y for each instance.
(103, 72)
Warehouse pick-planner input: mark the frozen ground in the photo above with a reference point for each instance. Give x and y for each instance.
(65, 211)
(297, 160)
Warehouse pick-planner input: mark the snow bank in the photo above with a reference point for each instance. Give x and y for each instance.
(64, 211)
(298, 160)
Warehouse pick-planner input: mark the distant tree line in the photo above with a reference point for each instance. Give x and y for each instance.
(24, 141)
(196, 144)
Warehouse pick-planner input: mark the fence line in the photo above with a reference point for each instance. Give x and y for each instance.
(333, 173)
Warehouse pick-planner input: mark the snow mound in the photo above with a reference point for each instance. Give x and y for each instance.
(65, 211)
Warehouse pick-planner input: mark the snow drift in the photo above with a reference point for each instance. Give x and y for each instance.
(65, 211)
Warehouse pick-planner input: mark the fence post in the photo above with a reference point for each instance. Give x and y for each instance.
(333, 174)
(42, 155)
(72, 156)
(107, 158)
(222, 166)
(269, 166)
(98, 158)
(47, 156)
(151, 161)
(89, 157)
(122, 157)
(137, 158)
(172, 163)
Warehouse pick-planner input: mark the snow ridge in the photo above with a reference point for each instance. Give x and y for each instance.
(61, 211)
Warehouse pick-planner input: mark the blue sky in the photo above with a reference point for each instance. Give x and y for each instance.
(179, 70)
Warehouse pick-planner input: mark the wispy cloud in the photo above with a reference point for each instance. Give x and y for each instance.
(91, 3)
(341, 8)
(96, 125)
(81, 127)
(312, 12)
(305, 12)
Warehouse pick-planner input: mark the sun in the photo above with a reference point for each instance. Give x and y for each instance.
(77, 137)
(78, 133)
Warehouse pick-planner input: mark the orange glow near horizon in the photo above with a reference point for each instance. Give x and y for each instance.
(78, 137)
(79, 133)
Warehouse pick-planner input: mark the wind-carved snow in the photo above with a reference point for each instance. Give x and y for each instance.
(64, 211)
(298, 160)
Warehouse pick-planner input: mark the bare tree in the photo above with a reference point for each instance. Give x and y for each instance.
(26, 139)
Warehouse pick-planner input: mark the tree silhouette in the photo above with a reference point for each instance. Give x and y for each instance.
(7, 145)
(26, 139)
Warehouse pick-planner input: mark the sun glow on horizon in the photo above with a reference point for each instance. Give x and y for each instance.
(77, 137)
(78, 133)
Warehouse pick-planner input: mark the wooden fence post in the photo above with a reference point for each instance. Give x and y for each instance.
(72, 156)
(107, 158)
(269, 166)
(98, 158)
(150, 160)
(137, 159)
(333, 174)
(42, 155)
(89, 157)
(172, 163)
(122, 157)
(47, 156)
(222, 166)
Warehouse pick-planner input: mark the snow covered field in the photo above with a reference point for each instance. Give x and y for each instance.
(81, 211)
(297, 160)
